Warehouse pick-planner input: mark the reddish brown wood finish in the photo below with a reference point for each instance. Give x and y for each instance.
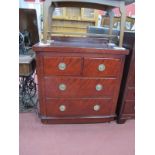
(78, 107)
(131, 78)
(79, 87)
(112, 67)
(130, 94)
(80, 79)
(129, 107)
(76, 120)
(126, 101)
(73, 65)
(75, 47)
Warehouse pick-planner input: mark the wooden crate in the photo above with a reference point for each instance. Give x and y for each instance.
(73, 20)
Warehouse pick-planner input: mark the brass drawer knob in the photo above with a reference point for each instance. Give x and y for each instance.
(62, 66)
(62, 107)
(101, 67)
(99, 87)
(62, 87)
(96, 107)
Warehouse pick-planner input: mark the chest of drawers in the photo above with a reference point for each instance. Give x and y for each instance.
(78, 83)
(126, 99)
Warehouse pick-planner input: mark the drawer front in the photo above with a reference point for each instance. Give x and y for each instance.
(102, 67)
(75, 107)
(129, 107)
(79, 87)
(130, 94)
(62, 65)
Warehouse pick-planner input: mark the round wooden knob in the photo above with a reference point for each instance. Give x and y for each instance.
(96, 107)
(99, 87)
(62, 107)
(62, 87)
(62, 66)
(101, 67)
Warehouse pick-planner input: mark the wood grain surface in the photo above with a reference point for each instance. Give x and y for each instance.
(79, 79)
(78, 107)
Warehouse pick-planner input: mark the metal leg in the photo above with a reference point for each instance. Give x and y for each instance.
(27, 91)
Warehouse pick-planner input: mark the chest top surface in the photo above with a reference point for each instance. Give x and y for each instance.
(80, 45)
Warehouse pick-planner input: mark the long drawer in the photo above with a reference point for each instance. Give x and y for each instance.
(79, 87)
(75, 107)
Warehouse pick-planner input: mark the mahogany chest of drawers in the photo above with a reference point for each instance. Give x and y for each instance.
(126, 100)
(78, 82)
(126, 105)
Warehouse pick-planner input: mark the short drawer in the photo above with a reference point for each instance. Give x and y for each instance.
(62, 65)
(130, 94)
(79, 87)
(75, 107)
(102, 67)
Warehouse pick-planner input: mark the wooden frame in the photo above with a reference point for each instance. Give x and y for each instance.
(108, 5)
(116, 20)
